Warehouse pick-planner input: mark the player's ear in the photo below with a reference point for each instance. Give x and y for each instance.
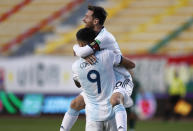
(96, 21)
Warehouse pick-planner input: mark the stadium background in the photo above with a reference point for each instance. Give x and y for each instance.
(36, 39)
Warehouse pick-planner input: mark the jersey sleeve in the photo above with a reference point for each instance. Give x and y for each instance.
(86, 50)
(104, 40)
(115, 58)
(82, 51)
(75, 72)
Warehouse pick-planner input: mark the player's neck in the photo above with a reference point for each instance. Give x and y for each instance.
(98, 28)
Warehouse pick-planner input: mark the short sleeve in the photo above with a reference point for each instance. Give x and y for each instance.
(82, 51)
(115, 58)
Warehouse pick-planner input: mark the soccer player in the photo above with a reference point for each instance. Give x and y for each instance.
(96, 92)
(97, 86)
(95, 18)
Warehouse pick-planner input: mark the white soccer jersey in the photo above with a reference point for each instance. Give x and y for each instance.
(97, 82)
(107, 41)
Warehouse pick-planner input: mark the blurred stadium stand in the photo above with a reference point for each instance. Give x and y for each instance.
(63, 39)
(30, 19)
(147, 22)
(10, 7)
(138, 26)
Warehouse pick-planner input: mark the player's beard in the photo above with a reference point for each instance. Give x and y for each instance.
(89, 25)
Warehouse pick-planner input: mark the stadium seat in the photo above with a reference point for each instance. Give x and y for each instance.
(6, 5)
(28, 17)
(138, 25)
(183, 44)
(145, 22)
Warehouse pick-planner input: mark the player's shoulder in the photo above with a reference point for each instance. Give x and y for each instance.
(109, 34)
(104, 53)
(104, 31)
(106, 34)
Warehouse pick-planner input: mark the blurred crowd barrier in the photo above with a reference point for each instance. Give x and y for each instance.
(43, 84)
(155, 72)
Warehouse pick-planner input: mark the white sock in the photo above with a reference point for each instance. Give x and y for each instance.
(69, 119)
(120, 117)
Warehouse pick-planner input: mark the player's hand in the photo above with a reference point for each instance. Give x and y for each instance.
(91, 59)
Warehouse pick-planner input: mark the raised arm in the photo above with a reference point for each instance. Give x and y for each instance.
(120, 61)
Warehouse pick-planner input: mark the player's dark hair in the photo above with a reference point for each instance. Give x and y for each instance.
(86, 35)
(99, 13)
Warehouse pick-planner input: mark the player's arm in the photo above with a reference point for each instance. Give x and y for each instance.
(90, 59)
(82, 51)
(119, 60)
(77, 83)
(86, 50)
(127, 63)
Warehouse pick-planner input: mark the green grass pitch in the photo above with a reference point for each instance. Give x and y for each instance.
(53, 123)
